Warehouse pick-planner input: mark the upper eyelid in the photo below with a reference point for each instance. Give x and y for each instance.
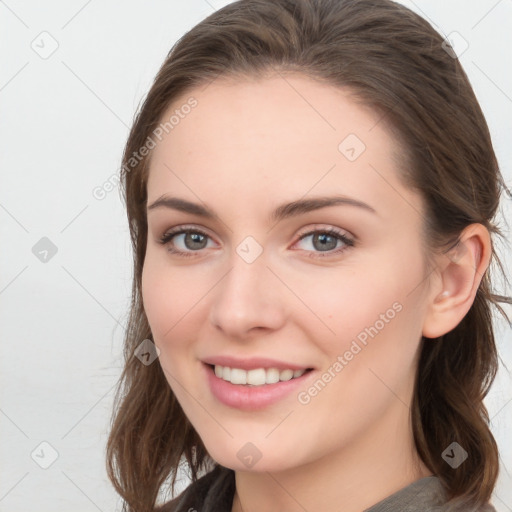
(183, 228)
(335, 231)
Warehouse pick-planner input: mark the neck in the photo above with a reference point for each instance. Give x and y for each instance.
(355, 477)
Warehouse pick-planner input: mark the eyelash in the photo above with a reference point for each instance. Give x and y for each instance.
(348, 242)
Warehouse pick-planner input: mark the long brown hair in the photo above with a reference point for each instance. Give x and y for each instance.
(396, 63)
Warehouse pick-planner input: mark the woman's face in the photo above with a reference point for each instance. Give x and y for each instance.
(304, 253)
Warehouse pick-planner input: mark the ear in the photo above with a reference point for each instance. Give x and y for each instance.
(459, 273)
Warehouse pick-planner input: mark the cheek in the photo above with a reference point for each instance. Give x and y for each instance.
(161, 304)
(346, 304)
(169, 299)
(372, 302)
(172, 298)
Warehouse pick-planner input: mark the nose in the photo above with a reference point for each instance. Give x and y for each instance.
(248, 300)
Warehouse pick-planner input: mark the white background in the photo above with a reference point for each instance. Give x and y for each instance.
(63, 125)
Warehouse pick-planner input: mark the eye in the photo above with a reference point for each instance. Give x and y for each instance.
(184, 241)
(329, 241)
(188, 241)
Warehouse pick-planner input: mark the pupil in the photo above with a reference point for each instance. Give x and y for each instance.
(198, 241)
(327, 242)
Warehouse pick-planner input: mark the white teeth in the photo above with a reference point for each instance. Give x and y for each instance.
(256, 377)
(238, 376)
(285, 374)
(271, 376)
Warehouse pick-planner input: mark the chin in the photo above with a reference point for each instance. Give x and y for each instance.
(248, 457)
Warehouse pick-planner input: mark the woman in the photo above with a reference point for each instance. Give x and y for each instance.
(310, 187)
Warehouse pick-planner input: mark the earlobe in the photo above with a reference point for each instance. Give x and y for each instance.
(460, 270)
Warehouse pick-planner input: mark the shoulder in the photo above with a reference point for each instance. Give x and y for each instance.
(425, 495)
(214, 491)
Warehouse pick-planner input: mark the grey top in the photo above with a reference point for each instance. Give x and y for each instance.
(214, 492)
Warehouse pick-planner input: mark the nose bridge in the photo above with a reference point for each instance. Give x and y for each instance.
(247, 297)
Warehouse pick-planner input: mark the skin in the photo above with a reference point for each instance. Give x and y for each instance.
(246, 148)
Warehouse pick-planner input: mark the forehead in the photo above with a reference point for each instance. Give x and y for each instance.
(256, 140)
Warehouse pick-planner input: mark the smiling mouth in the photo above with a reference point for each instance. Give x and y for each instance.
(256, 376)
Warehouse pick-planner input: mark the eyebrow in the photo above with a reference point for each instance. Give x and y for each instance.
(292, 209)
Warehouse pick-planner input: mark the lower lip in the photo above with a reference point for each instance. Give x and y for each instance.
(251, 398)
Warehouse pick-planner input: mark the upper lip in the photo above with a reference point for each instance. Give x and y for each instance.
(252, 363)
